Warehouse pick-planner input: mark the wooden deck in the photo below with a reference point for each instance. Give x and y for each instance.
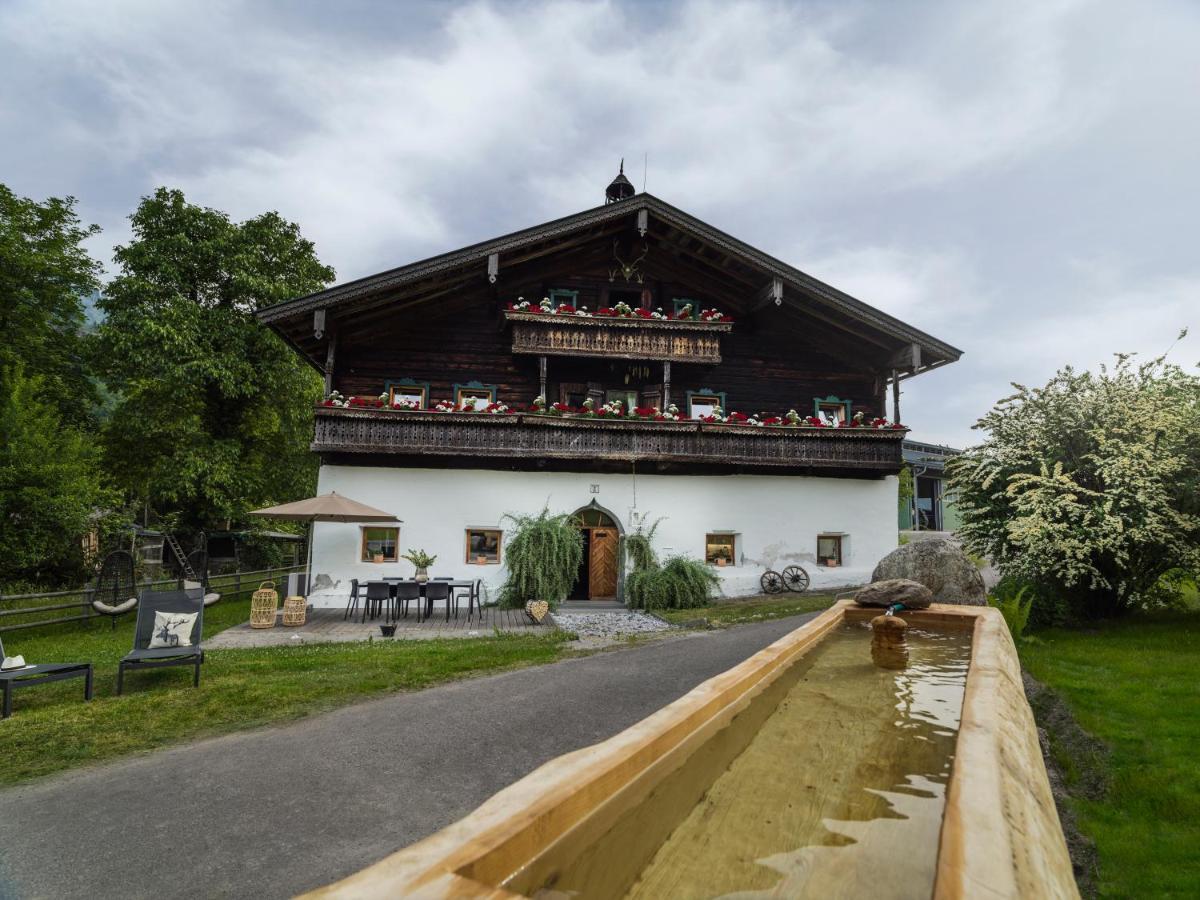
(328, 626)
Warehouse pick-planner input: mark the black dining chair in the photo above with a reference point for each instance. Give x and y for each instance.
(379, 595)
(437, 590)
(352, 603)
(406, 593)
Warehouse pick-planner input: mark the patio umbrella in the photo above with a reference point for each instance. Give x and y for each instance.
(331, 507)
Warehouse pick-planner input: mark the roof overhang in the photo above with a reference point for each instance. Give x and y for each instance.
(914, 350)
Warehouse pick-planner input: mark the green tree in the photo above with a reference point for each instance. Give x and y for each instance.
(44, 275)
(1090, 485)
(214, 411)
(51, 491)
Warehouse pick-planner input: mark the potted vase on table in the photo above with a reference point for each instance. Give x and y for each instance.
(421, 562)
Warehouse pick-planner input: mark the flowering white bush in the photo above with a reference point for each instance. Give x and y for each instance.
(1089, 486)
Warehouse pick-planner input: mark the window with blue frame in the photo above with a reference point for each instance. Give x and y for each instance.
(473, 391)
(704, 402)
(831, 407)
(406, 392)
(680, 303)
(560, 296)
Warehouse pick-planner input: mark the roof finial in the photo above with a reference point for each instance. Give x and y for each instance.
(621, 188)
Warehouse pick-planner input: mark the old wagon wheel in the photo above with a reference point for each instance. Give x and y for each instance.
(795, 579)
(771, 581)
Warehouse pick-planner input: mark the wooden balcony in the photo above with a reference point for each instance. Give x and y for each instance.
(579, 443)
(668, 340)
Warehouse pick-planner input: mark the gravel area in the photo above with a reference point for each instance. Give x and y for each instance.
(610, 624)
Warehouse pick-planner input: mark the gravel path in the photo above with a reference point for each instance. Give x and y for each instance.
(615, 624)
(277, 811)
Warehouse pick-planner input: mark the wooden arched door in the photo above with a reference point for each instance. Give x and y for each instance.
(602, 542)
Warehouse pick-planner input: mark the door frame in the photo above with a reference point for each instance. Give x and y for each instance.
(620, 529)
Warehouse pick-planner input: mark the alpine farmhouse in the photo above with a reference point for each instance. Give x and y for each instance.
(630, 363)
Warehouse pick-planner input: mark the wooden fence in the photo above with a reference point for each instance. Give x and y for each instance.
(62, 607)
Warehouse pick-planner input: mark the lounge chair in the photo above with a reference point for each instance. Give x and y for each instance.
(29, 676)
(182, 650)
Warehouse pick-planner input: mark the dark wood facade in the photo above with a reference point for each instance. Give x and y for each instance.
(446, 323)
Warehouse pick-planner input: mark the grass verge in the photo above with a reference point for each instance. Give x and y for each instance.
(751, 609)
(52, 729)
(1133, 685)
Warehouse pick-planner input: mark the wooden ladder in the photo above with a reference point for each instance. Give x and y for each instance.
(184, 566)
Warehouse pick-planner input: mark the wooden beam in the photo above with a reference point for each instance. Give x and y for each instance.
(318, 323)
(330, 360)
(895, 397)
(493, 267)
(908, 358)
(771, 292)
(666, 400)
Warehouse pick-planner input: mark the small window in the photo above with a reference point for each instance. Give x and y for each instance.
(572, 393)
(829, 550)
(408, 394)
(680, 303)
(719, 549)
(831, 408)
(703, 403)
(558, 297)
(379, 544)
(473, 391)
(483, 546)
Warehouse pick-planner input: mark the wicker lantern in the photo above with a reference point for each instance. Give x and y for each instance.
(262, 606)
(294, 609)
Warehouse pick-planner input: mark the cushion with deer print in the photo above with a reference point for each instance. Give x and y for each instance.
(172, 630)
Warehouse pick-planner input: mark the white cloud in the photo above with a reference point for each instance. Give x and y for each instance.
(974, 168)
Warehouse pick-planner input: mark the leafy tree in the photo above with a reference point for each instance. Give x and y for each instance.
(1089, 485)
(51, 491)
(214, 411)
(44, 275)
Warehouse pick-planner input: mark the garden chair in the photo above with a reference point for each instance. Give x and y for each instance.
(406, 593)
(471, 593)
(352, 601)
(379, 594)
(114, 593)
(29, 676)
(437, 591)
(159, 640)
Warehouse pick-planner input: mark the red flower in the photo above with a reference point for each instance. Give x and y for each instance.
(644, 411)
(566, 309)
(772, 420)
(604, 311)
(737, 418)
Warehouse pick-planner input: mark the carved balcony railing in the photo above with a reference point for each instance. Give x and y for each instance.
(668, 340)
(538, 437)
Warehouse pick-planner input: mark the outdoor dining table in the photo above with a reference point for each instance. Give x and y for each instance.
(454, 585)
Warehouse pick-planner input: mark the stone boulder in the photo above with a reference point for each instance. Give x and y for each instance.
(912, 594)
(941, 566)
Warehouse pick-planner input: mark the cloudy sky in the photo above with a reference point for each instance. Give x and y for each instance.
(1019, 179)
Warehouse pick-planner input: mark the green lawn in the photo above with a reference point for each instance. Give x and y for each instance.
(1135, 685)
(752, 609)
(53, 729)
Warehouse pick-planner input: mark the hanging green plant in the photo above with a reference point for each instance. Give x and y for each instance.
(542, 554)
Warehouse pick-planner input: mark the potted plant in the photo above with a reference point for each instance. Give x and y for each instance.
(422, 561)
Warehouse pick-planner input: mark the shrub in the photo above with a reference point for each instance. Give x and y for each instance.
(1089, 486)
(542, 555)
(680, 583)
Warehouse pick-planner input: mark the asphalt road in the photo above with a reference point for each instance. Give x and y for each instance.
(273, 812)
